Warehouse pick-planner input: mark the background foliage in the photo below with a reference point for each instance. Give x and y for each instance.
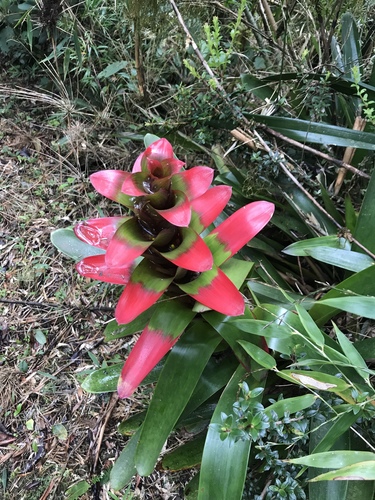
(280, 98)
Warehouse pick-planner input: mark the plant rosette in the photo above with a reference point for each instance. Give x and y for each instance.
(159, 254)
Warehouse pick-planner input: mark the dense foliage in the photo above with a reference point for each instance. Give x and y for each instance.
(279, 98)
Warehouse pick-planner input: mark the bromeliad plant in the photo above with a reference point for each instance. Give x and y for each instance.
(174, 267)
(171, 207)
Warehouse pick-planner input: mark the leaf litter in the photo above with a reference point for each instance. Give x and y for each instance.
(52, 433)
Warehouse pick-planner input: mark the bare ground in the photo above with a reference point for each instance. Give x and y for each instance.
(52, 433)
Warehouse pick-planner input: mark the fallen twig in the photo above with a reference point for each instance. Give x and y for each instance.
(316, 152)
(311, 198)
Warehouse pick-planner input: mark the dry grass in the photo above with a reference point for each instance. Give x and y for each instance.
(52, 433)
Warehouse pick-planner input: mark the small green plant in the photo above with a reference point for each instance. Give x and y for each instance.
(368, 105)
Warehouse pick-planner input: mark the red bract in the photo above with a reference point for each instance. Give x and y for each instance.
(151, 346)
(171, 208)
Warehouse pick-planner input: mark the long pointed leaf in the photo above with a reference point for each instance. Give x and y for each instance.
(96, 267)
(232, 234)
(192, 254)
(360, 283)
(208, 207)
(224, 463)
(365, 227)
(124, 468)
(145, 287)
(98, 232)
(127, 244)
(362, 471)
(167, 323)
(175, 386)
(321, 133)
(109, 183)
(215, 290)
(67, 242)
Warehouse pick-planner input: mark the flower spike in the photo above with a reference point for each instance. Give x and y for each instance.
(158, 251)
(159, 150)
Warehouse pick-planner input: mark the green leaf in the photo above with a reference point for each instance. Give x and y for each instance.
(215, 376)
(360, 305)
(25, 6)
(129, 426)
(257, 86)
(276, 295)
(289, 224)
(350, 215)
(265, 329)
(365, 227)
(230, 333)
(186, 456)
(150, 139)
(315, 220)
(315, 380)
(77, 45)
(320, 133)
(351, 261)
(310, 326)
(224, 463)
(60, 432)
(176, 384)
(258, 354)
(352, 354)
(67, 242)
(333, 434)
(112, 69)
(330, 205)
(198, 419)
(302, 248)
(336, 429)
(30, 424)
(291, 405)
(339, 84)
(358, 490)
(124, 468)
(331, 250)
(106, 379)
(115, 331)
(362, 471)
(40, 337)
(66, 62)
(334, 459)
(191, 489)
(278, 315)
(366, 348)
(351, 49)
(360, 283)
(237, 270)
(77, 490)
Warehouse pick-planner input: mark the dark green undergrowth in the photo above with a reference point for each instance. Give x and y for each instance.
(280, 100)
